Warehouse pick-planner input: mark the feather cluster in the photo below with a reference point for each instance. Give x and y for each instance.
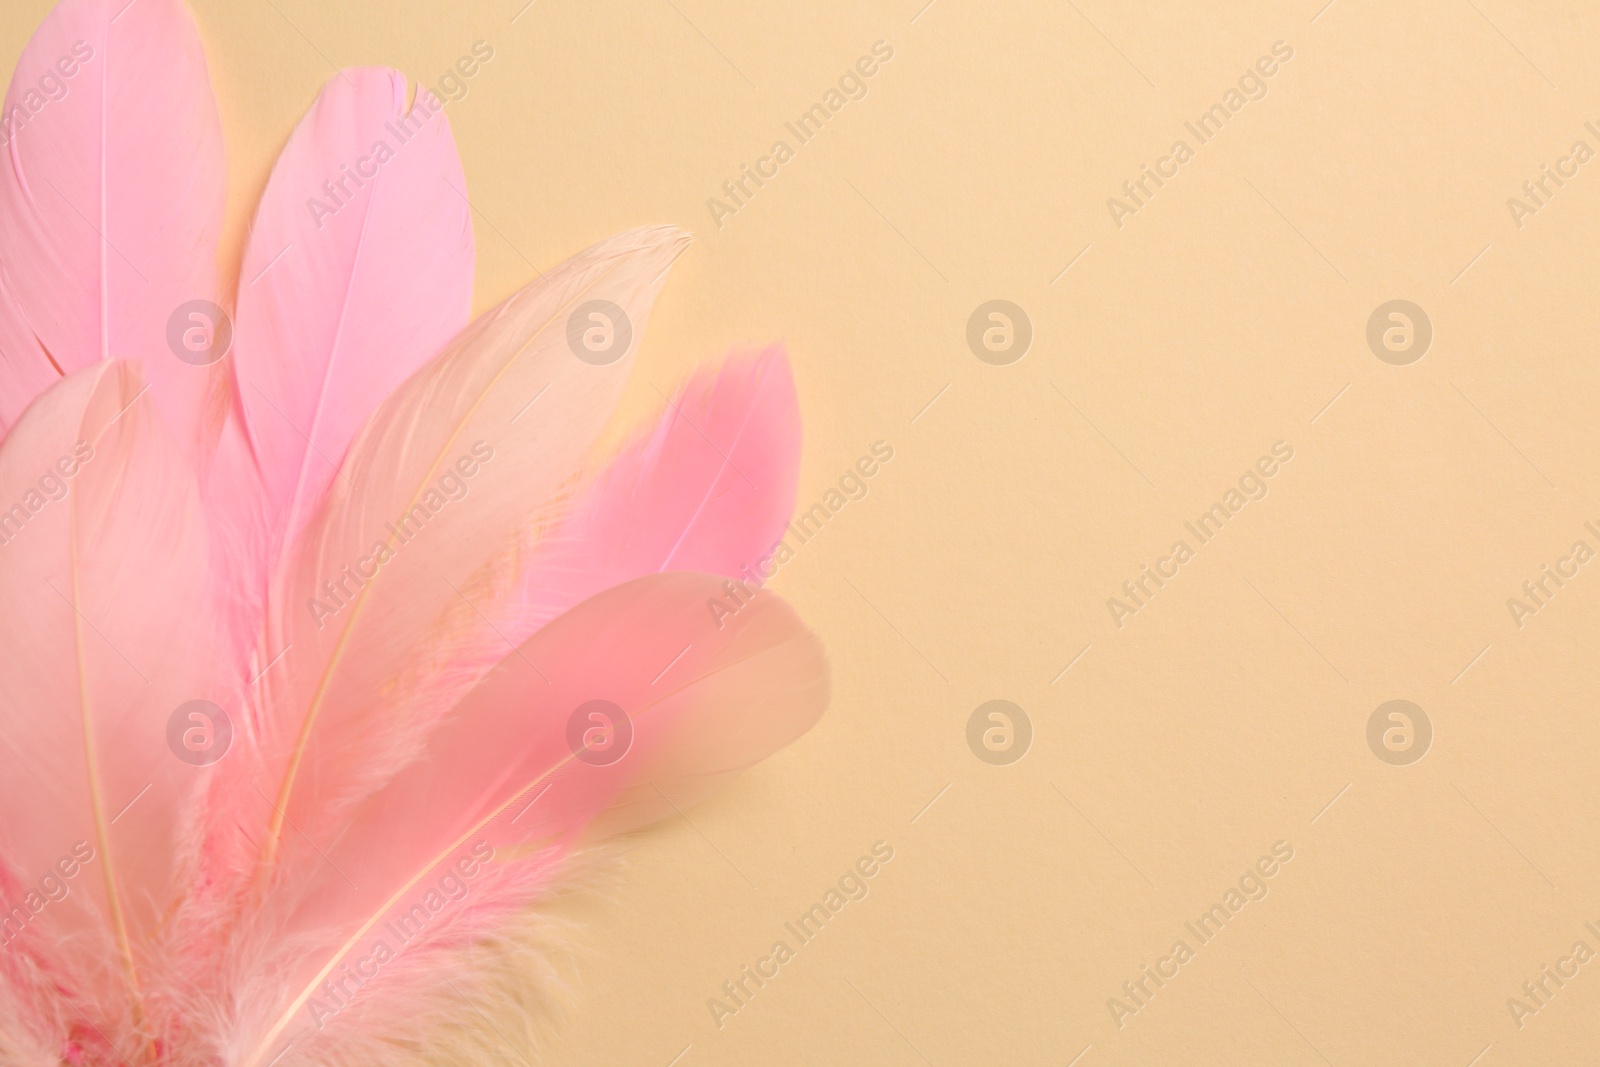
(326, 639)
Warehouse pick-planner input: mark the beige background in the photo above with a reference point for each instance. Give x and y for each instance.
(1228, 314)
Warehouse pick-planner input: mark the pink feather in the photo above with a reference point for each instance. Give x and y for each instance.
(326, 734)
(709, 489)
(104, 522)
(25, 368)
(701, 701)
(350, 284)
(375, 537)
(112, 195)
(358, 270)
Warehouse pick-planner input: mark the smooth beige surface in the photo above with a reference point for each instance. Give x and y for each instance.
(1226, 314)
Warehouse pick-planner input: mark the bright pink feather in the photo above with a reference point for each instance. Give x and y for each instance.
(358, 271)
(25, 369)
(112, 191)
(709, 489)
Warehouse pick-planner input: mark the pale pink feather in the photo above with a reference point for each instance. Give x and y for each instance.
(700, 699)
(102, 523)
(501, 422)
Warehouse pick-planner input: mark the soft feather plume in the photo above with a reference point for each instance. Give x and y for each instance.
(453, 647)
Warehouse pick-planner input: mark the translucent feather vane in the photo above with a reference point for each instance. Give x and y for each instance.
(330, 642)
